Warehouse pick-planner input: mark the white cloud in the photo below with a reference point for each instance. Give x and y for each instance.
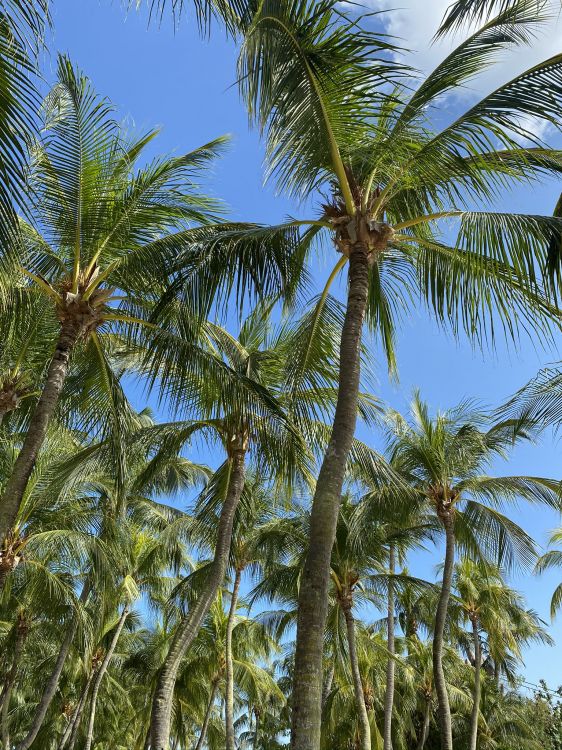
(414, 23)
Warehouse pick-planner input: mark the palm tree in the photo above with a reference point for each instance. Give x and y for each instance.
(94, 226)
(315, 82)
(445, 458)
(253, 423)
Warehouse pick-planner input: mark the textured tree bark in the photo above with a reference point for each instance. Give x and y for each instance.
(44, 410)
(477, 686)
(205, 726)
(100, 675)
(391, 664)
(306, 701)
(229, 704)
(11, 677)
(50, 689)
(443, 709)
(425, 728)
(188, 629)
(362, 715)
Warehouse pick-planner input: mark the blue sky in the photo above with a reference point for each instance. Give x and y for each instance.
(185, 85)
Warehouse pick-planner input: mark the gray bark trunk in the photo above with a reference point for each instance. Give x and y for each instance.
(69, 735)
(189, 628)
(100, 675)
(425, 727)
(443, 708)
(477, 687)
(37, 430)
(207, 717)
(306, 702)
(229, 705)
(391, 664)
(362, 715)
(50, 689)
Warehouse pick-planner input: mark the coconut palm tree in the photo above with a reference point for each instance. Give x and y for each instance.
(315, 82)
(92, 224)
(445, 458)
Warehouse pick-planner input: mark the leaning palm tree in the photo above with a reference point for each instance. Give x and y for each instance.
(317, 84)
(444, 459)
(93, 225)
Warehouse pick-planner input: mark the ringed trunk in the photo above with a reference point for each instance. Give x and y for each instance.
(477, 685)
(189, 627)
(313, 595)
(391, 664)
(443, 708)
(229, 705)
(100, 675)
(11, 681)
(362, 715)
(37, 430)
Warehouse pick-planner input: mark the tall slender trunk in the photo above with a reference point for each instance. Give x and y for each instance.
(443, 709)
(425, 727)
(361, 708)
(207, 717)
(229, 706)
(477, 687)
(50, 688)
(390, 664)
(100, 675)
(69, 734)
(306, 702)
(189, 627)
(11, 677)
(44, 410)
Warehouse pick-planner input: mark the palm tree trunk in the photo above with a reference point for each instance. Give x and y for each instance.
(443, 709)
(257, 732)
(207, 717)
(425, 727)
(11, 677)
(69, 733)
(477, 688)
(44, 410)
(390, 664)
(362, 715)
(189, 627)
(100, 675)
(229, 707)
(52, 684)
(306, 700)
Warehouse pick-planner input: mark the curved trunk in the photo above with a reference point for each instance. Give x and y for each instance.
(390, 665)
(44, 410)
(477, 688)
(50, 689)
(229, 705)
(313, 595)
(443, 709)
(69, 734)
(100, 675)
(362, 715)
(425, 727)
(189, 627)
(205, 725)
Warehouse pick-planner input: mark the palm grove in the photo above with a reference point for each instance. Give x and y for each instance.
(149, 601)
